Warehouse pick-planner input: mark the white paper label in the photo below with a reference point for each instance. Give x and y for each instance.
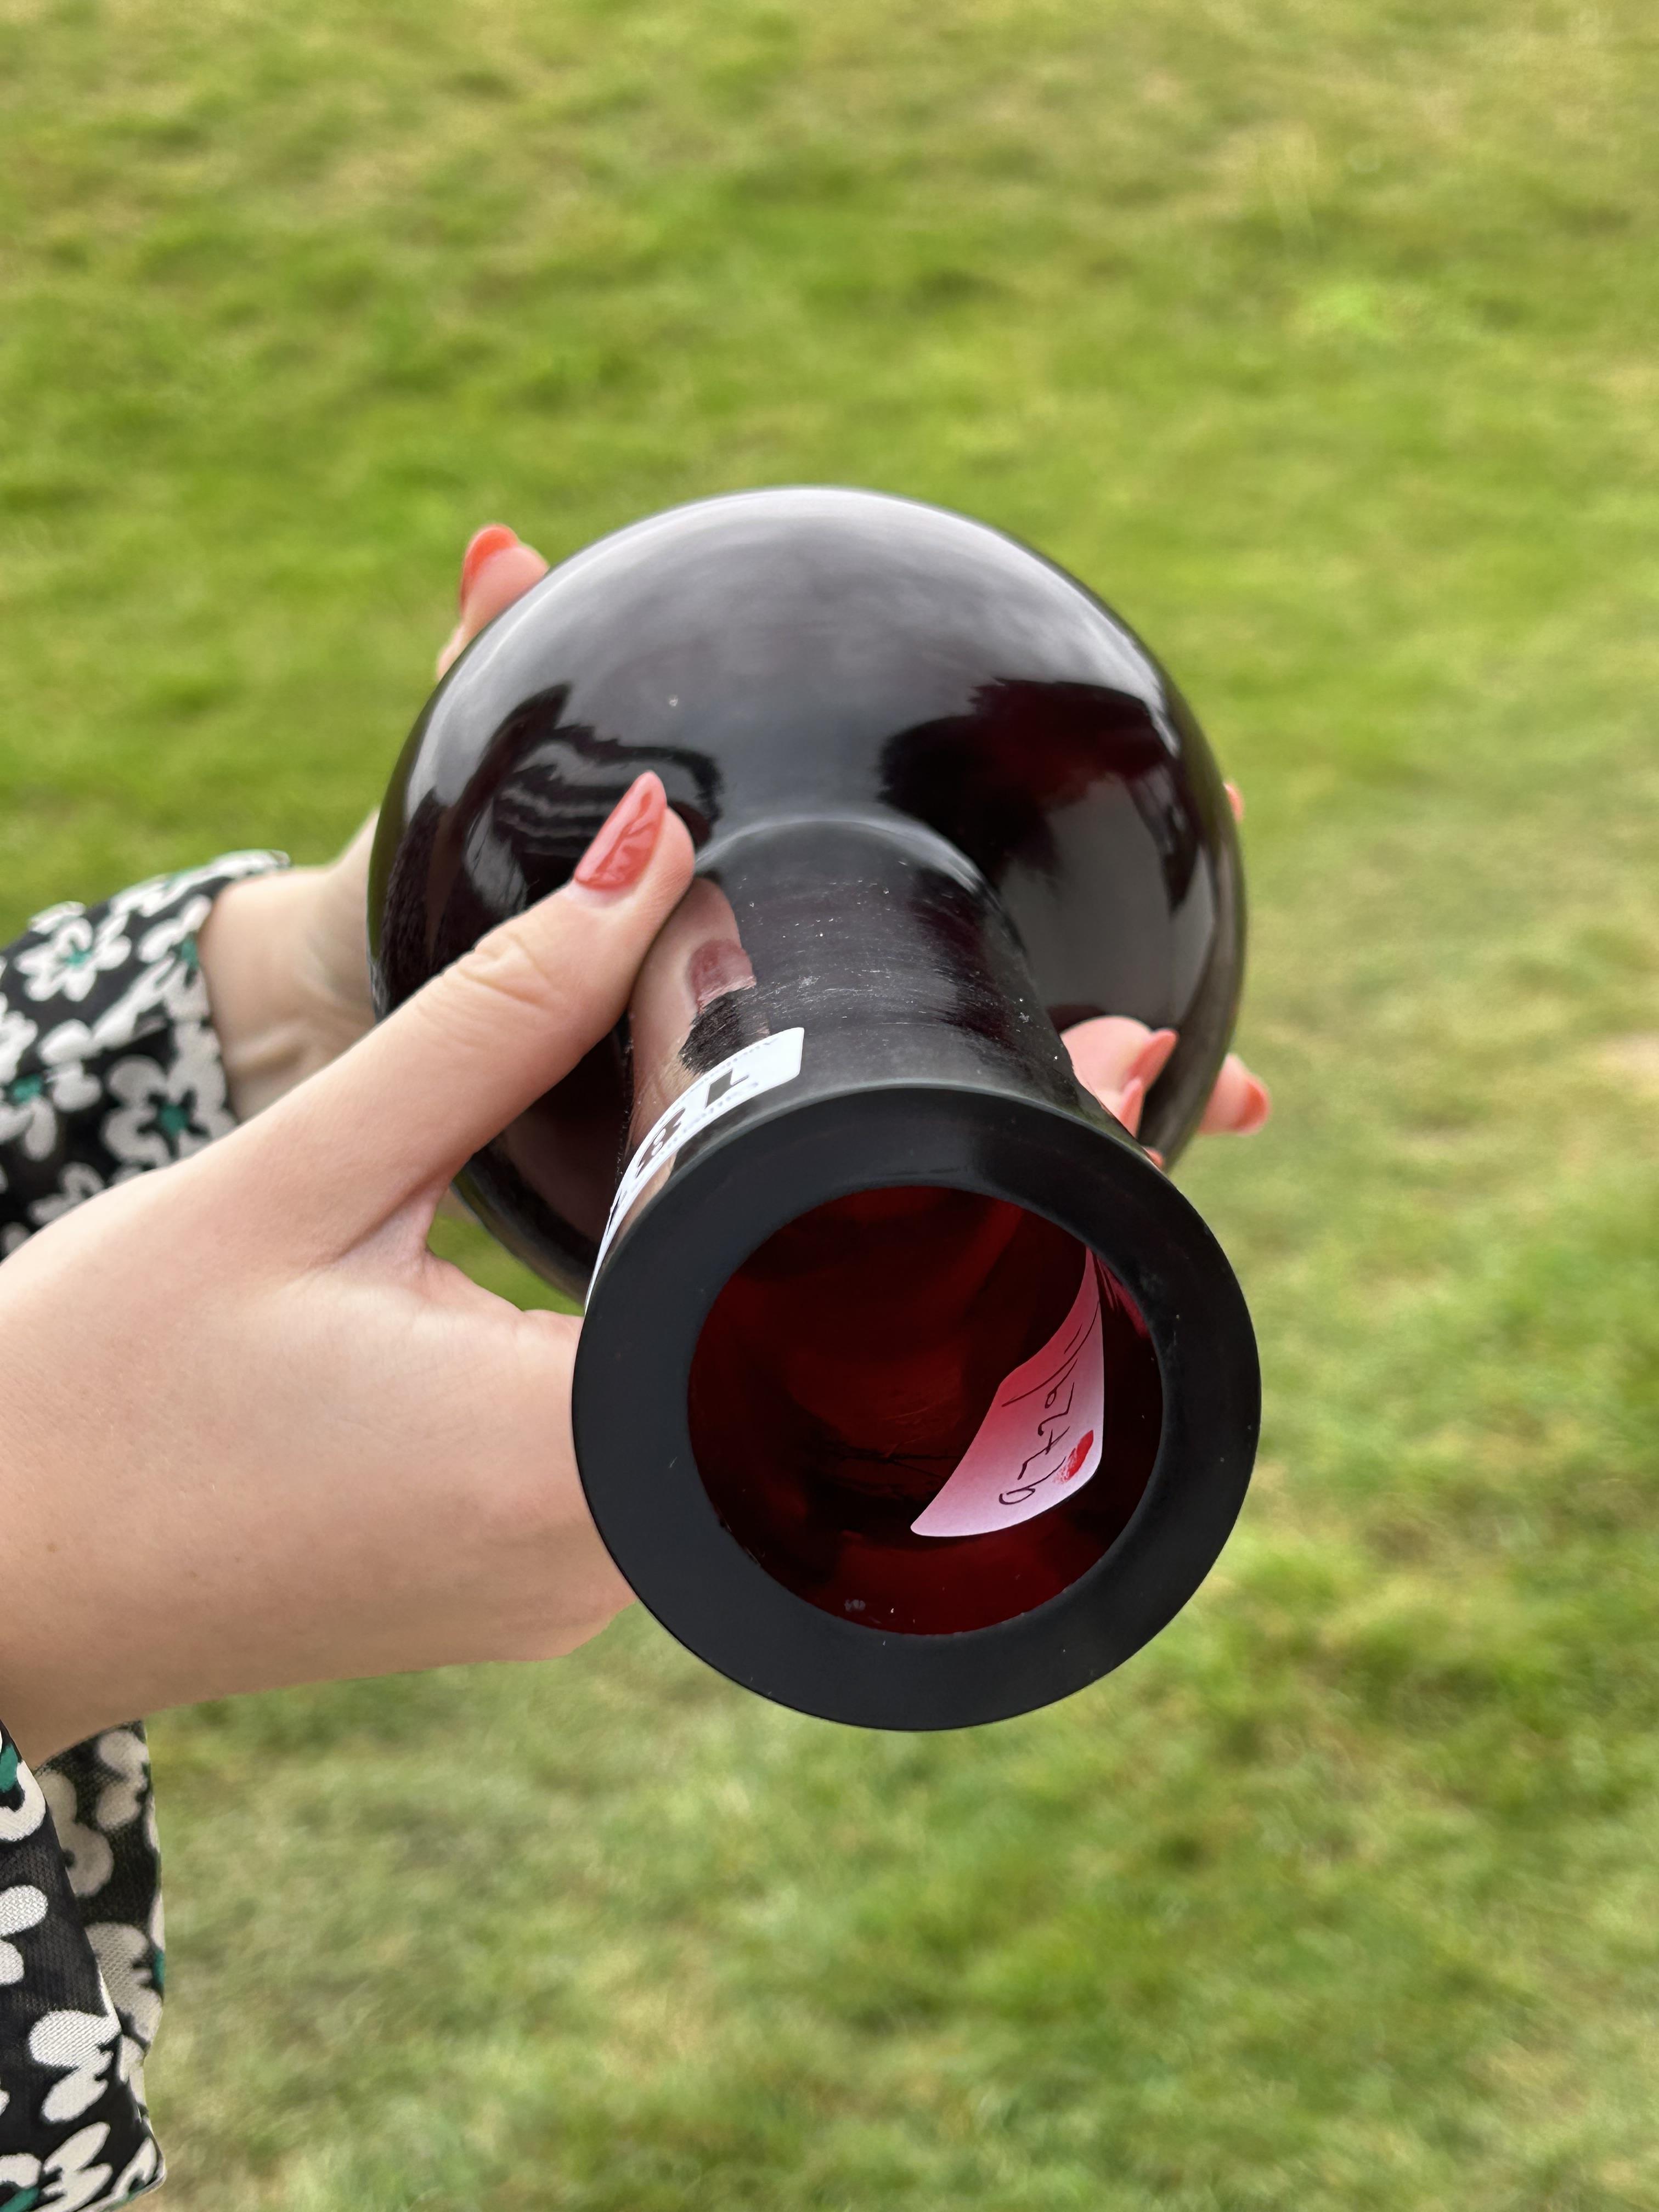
(1040, 1442)
(759, 1066)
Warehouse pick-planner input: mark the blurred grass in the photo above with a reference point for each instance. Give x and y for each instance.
(1320, 338)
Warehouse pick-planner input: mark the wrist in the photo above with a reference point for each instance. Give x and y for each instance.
(254, 951)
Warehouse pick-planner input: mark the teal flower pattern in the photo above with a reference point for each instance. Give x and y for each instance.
(70, 956)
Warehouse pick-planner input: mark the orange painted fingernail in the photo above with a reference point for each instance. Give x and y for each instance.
(495, 537)
(617, 858)
(1258, 1105)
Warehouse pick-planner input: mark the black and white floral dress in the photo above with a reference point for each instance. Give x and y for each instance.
(108, 1066)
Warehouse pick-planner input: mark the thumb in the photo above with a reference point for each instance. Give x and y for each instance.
(400, 1115)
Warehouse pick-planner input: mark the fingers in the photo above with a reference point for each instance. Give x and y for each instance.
(1235, 800)
(1240, 1102)
(394, 1119)
(497, 568)
(1119, 1060)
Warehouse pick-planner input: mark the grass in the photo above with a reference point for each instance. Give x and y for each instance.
(1319, 336)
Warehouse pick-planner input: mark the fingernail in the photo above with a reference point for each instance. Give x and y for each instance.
(617, 858)
(495, 537)
(1235, 800)
(1130, 1100)
(1150, 1062)
(717, 968)
(1257, 1106)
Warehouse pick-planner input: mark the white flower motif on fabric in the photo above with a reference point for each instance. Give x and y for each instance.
(17, 1034)
(130, 2064)
(174, 987)
(123, 1955)
(77, 1183)
(30, 1105)
(21, 1906)
(50, 916)
(80, 2046)
(77, 2181)
(146, 898)
(184, 990)
(91, 1861)
(141, 2170)
(122, 1751)
(168, 1113)
(77, 952)
(23, 1818)
(116, 1027)
(167, 936)
(149, 898)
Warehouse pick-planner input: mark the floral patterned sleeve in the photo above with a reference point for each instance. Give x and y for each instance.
(108, 1066)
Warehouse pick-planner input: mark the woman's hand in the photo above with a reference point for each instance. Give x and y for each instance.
(286, 956)
(1120, 1060)
(254, 1423)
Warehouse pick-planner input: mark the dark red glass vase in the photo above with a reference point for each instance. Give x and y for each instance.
(910, 1392)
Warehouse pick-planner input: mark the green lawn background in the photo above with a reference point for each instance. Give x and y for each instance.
(1320, 337)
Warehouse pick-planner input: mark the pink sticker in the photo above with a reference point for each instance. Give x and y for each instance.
(1040, 1442)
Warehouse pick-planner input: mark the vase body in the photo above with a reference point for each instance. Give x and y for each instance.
(846, 1198)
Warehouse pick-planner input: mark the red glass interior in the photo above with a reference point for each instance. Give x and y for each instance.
(843, 1373)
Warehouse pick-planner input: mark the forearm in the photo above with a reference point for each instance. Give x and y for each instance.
(108, 1066)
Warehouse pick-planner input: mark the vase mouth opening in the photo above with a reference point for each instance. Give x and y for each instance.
(923, 1409)
(929, 1237)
